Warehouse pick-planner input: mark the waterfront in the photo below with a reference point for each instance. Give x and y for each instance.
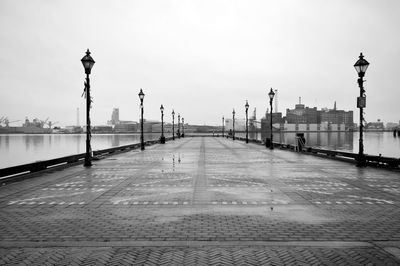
(375, 143)
(203, 201)
(16, 149)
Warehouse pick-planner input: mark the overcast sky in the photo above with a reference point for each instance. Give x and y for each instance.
(201, 58)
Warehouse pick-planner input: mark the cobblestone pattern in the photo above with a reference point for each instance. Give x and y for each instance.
(204, 189)
(195, 256)
(184, 225)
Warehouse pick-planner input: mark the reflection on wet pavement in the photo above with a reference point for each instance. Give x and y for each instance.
(204, 189)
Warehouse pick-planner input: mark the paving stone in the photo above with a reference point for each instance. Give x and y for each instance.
(206, 190)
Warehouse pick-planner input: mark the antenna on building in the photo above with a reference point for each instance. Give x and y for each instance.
(334, 106)
(276, 101)
(254, 113)
(77, 116)
(299, 100)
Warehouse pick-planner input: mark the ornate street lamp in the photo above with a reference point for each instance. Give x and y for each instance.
(141, 97)
(173, 127)
(271, 95)
(88, 62)
(179, 125)
(361, 66)
(233, 124)
(183, 127)
(247, 122)
(162, 139)
(223, 126)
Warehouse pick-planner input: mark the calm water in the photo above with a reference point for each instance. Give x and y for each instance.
(375, 143)
(16, 149)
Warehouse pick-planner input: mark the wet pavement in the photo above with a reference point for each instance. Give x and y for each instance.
(202, 201)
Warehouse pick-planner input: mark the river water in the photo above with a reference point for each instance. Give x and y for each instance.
(16, 149)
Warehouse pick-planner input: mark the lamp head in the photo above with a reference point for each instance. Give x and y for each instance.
(271, 94)
(87, 62)
(141, 95)
(361, 65)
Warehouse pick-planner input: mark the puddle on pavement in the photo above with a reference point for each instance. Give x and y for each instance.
(149, 194)
(288, 213)
(285, 213)
(251, 194)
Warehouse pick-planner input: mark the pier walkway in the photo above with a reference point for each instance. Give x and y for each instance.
(203, 201)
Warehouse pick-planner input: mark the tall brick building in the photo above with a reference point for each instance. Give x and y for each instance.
(302, 115)
(306, 115)
(334, 116)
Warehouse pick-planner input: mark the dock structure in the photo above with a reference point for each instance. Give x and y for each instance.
(203, 201)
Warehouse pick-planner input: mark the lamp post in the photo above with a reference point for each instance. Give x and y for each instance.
(179, 125)
(233, 124)
(183, 127)
(361, 66)
(271, 95)
(247, 123)
(88, 63)
(173, 127)
(162, 138)
(223, 126)
(141, 97)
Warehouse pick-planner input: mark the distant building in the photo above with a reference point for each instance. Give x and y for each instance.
(202, 128)
(276, 118)
(167, 127)
(114, 117)
(375, 125)
(72, 129)
(305, 115)
(391, 125)
(334, 116)
(156, 128)
(116, 121)
(126, 127)
(102, 129)
(148, 125)
(302, 115)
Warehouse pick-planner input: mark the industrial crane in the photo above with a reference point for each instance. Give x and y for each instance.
(51, 123)
(9, 122)
(44, 122)
(6, 121)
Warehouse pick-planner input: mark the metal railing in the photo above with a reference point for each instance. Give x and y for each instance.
(11, 172)
(6, 174)
(371, 160)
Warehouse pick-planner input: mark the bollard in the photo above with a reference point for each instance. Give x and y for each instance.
(268, 143)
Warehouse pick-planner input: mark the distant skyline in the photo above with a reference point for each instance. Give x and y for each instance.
(201, 58)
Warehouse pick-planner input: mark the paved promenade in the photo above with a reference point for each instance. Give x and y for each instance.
(201, 201)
